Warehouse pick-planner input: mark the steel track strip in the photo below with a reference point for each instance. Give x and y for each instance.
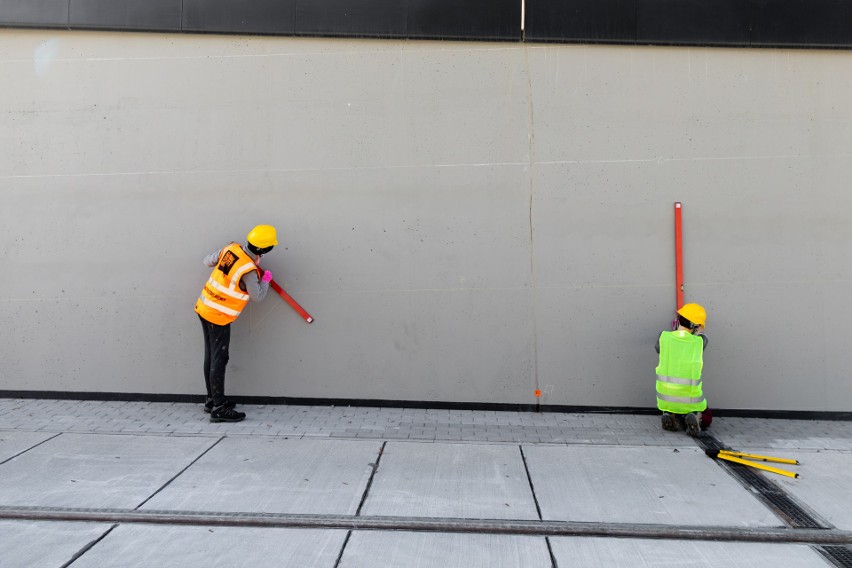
(447, 525)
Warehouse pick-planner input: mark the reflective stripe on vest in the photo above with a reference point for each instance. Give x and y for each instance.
(680, 399)
(218, 307)
(221, 300)
(677, 381)
(232, 293)
(679, 373)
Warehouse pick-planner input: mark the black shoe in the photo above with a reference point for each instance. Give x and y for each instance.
(208, 406)
(669, 422)
(693, 423)
(224, 414)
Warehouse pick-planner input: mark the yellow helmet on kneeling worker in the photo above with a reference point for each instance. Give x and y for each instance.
(695, 313)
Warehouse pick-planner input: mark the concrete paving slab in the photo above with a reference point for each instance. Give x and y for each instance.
(640, 485)
(641, 553)
(825, 485)
(274, 475)
(43, 544)
(13, 443)
(439, 550)
(93, 470)
(451, 480)
(142, 546)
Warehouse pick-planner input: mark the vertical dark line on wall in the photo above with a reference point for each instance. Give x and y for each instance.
(533, 307)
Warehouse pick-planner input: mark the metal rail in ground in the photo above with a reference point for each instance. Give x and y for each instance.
(832, 537)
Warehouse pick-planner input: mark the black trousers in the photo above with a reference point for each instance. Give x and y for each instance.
(217, 340)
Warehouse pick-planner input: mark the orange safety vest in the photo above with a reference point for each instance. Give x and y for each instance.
(222, 299)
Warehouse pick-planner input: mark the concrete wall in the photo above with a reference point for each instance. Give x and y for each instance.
(467, 222)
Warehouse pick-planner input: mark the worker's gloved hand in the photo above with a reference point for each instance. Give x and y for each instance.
(674, 324)
(267, 276)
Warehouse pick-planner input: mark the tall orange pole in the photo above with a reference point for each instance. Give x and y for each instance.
(678, 254)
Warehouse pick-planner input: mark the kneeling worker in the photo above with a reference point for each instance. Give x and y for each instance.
(679, 392)
(234, 280)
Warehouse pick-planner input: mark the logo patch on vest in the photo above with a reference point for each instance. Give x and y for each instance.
(228, 261)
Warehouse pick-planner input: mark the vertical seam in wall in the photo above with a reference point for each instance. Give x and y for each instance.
(531, 135)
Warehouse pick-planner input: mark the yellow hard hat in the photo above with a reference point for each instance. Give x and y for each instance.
(694, 313)
(262, 236)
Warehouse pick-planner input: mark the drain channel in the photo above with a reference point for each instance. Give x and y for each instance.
(785, 507)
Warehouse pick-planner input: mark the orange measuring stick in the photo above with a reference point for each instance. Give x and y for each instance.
(293, 303)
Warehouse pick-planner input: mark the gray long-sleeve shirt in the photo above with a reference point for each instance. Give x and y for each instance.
(250, 283)
(701, 335)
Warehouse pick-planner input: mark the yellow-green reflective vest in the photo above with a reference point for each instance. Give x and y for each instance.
(679, 373)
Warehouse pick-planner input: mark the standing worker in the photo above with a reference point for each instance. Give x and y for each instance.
(235, 279)
(679, 392)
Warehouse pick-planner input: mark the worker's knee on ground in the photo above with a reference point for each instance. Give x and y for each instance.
(706, 419)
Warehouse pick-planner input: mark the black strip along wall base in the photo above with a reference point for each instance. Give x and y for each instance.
(787, 509)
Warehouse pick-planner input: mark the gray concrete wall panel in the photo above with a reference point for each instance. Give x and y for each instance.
(467, 222)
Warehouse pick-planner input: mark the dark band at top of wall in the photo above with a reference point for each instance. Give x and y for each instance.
(736, 23)
(492, 20)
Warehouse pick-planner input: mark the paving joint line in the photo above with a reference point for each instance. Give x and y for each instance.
(178, 474)
(87, 547)
(375, 467)
(778, 535)
(30, 448)
(529, 479)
